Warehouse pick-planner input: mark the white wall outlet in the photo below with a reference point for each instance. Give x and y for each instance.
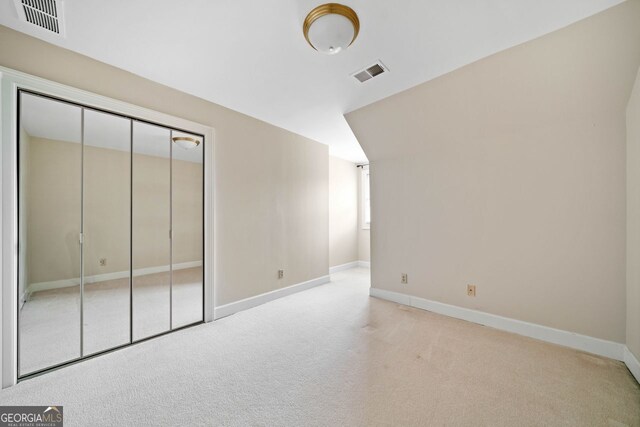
(280, 274)
(471, 290)
(103, 262)
(405, 278)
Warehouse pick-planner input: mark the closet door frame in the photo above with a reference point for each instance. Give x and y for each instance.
(11, 82)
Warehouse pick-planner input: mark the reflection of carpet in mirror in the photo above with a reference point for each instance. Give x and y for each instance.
(50, 320)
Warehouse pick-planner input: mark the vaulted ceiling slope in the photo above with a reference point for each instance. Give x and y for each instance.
(250, 55)
(582, 71)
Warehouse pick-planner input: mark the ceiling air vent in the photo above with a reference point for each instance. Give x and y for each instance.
(370, 72)
(46, 14)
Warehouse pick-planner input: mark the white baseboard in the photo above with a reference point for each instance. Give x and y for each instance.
(65, 283)
(586, 343)
(342, 267)
(632, 363)
(354, 264)
(234, 307)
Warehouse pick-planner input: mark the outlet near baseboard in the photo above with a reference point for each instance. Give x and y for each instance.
(280, 274)
(404, 278)
(471, 290)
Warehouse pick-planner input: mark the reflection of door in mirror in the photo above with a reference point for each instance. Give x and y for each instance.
(49, 218)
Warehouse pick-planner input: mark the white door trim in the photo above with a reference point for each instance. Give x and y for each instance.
(10, 81)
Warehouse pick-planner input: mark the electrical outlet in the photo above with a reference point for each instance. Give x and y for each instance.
(103, 262)
(280, 274)
(405, 278)
(471, 290)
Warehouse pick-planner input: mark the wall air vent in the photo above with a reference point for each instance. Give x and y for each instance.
(45, 14)
(370, 72)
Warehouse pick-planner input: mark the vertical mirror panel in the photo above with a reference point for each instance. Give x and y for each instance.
(187, 228)
(106, 222)
(151, 179)
(49, 222)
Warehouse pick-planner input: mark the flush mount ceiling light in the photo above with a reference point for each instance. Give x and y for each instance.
(186, 142)
(331, 27)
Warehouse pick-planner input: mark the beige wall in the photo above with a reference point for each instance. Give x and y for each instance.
(52, 212)
(364, 245)
(633, 220)
(271, 186)
(509, 174)
(343, 211)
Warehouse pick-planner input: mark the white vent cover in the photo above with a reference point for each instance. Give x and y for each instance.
(370, 72)
(45, 14)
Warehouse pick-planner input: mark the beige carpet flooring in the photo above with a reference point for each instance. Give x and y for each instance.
(333, 356)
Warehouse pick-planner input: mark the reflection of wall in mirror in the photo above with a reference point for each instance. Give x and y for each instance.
(106, 199)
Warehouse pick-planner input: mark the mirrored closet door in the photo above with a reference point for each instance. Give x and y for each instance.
(110, 226)
(151, 230)
(106, 230)
(187, 220)
(50, 222)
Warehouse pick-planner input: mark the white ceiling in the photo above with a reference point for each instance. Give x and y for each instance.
(45, 118)
(251, 56)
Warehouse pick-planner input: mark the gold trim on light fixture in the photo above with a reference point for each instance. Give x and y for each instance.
(327, 9)
(186, 138)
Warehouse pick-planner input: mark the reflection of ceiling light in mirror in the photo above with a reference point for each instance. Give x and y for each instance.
(186, 142)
